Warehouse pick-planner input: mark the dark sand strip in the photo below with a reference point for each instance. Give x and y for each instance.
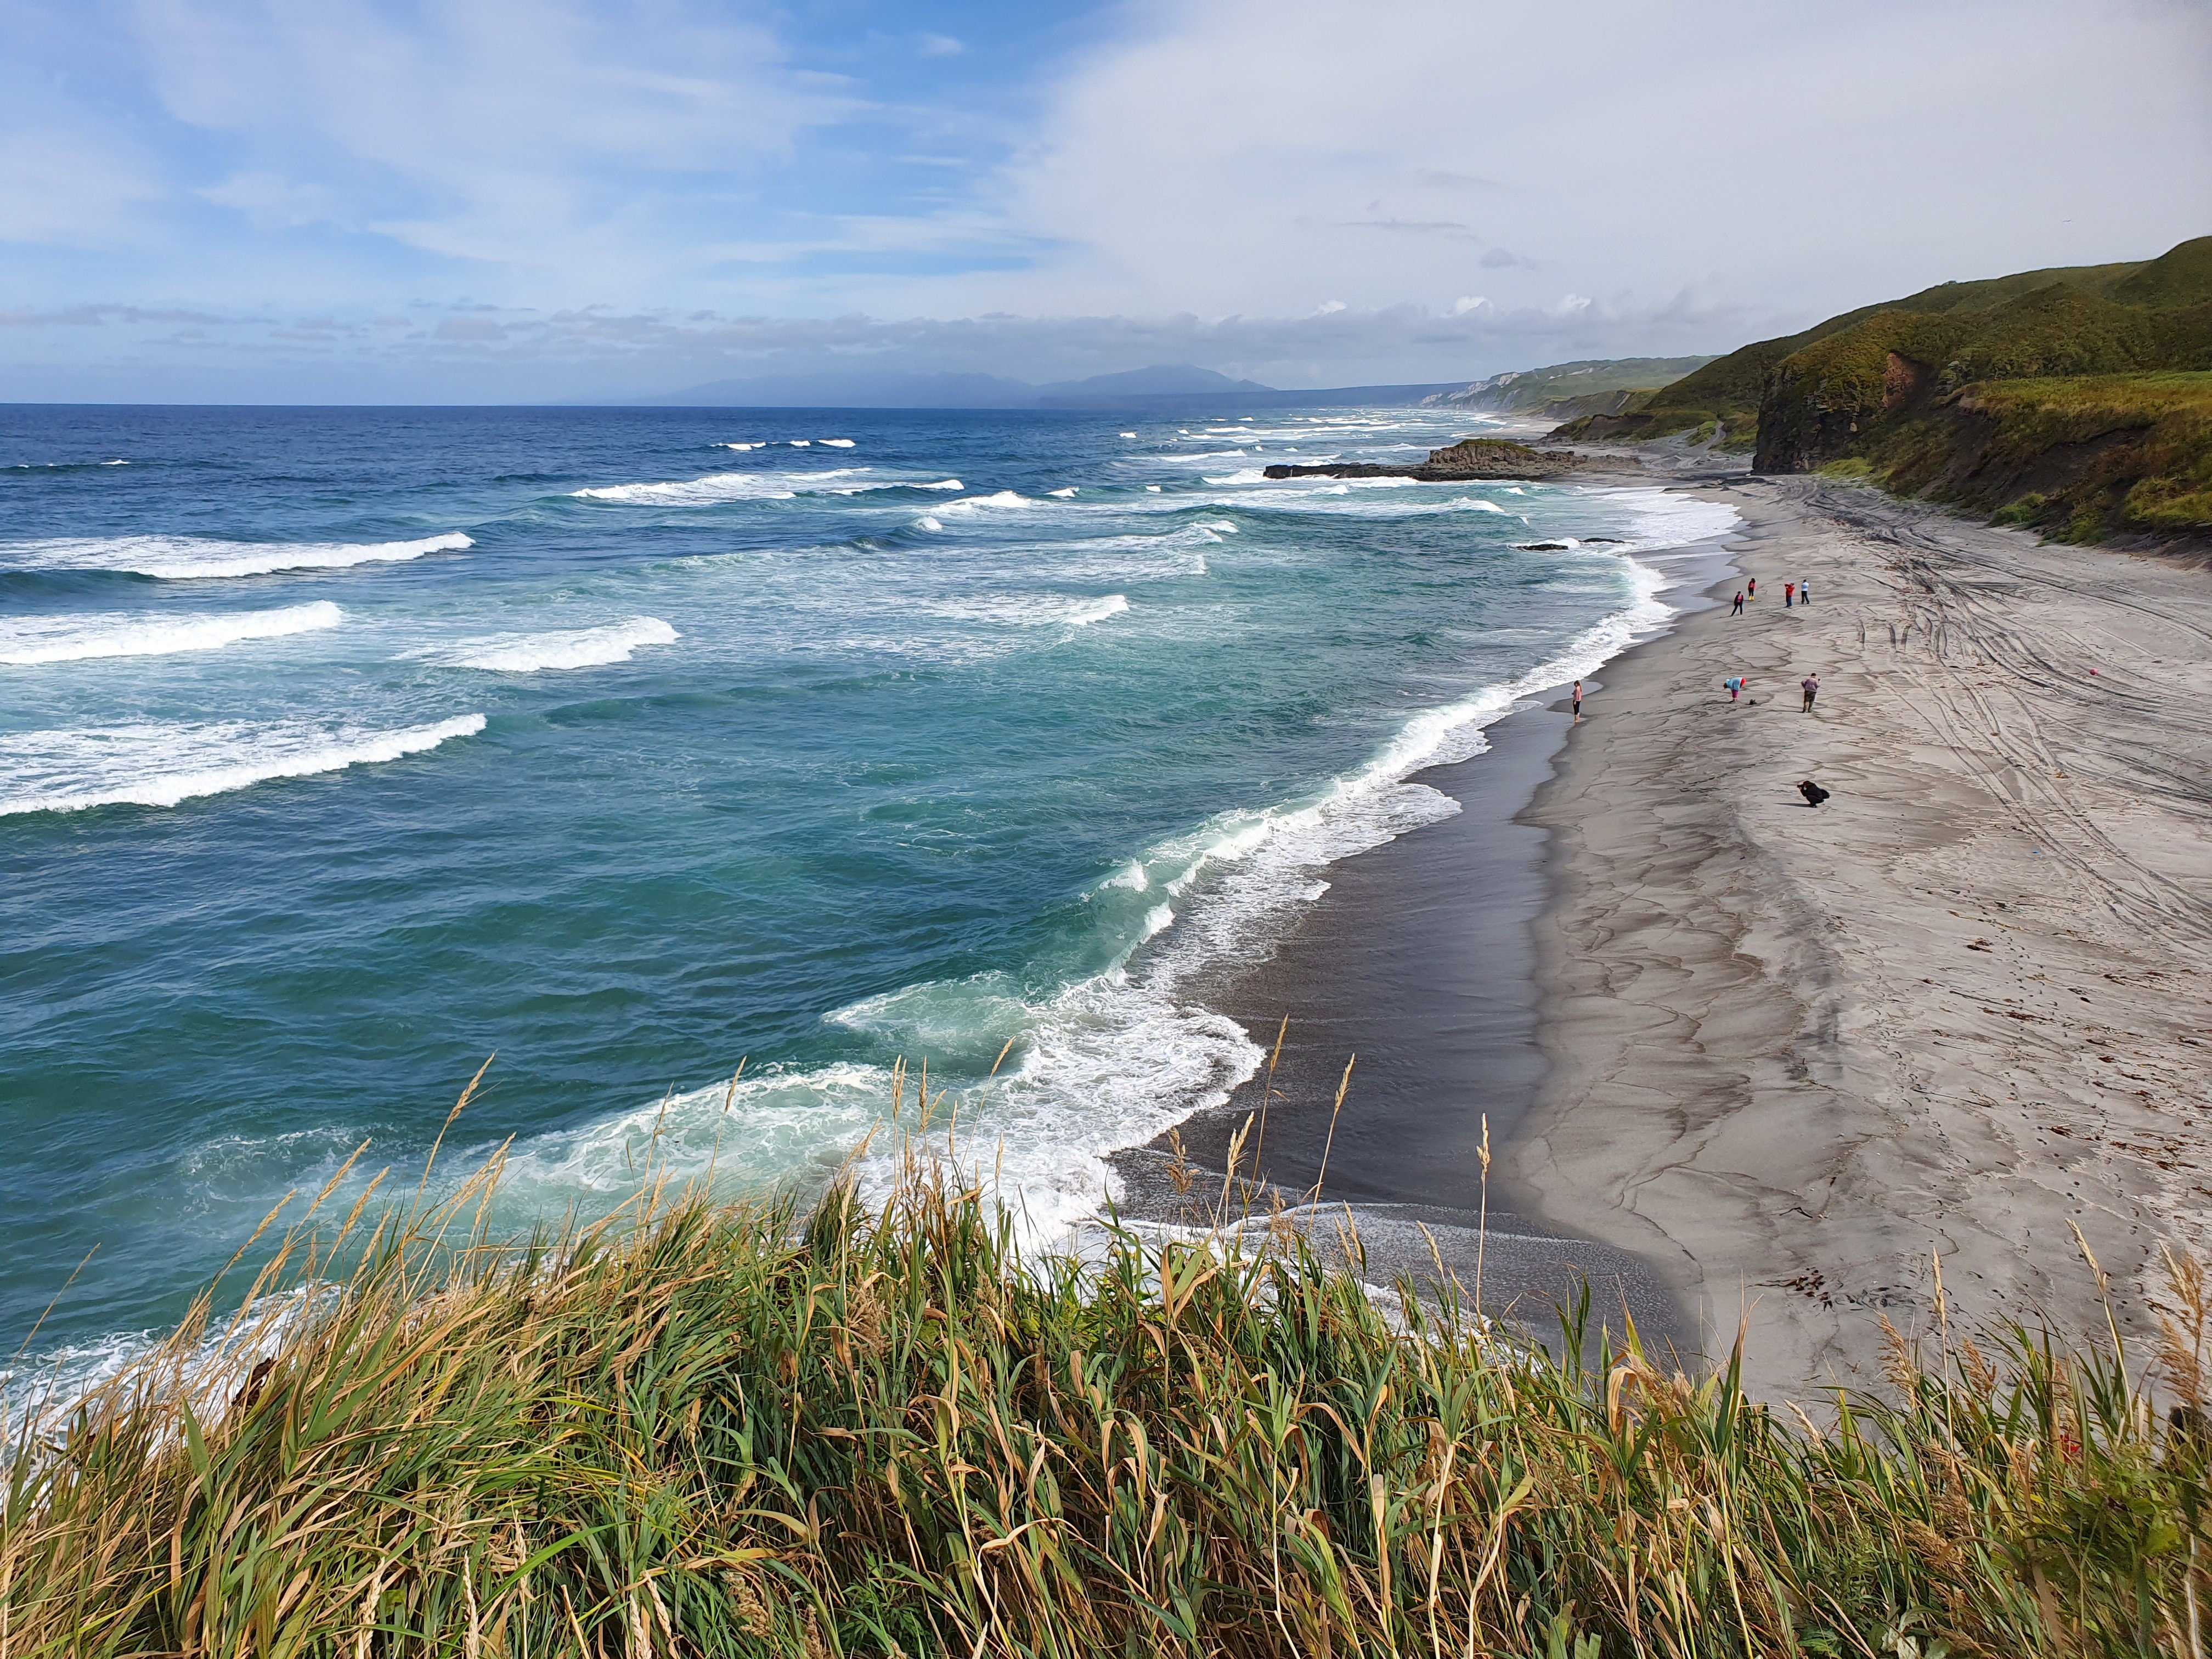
(1418, 960)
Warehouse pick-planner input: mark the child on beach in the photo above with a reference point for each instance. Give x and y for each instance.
(1752, 587)
(1738, 612)
(1736, 687)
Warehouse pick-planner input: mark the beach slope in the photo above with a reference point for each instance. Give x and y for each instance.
(1801, 1054)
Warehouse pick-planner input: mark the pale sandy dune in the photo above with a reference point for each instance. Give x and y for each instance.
(1799, 1053)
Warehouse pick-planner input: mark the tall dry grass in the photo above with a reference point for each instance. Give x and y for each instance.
(701, 1430)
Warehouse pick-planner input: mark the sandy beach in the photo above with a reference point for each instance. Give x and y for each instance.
(1749, 1061)
(1798, 1055)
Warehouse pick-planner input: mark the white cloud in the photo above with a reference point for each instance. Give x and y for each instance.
(64, 186)
(535, 137)
(480, 352)
(1181, 185)
(272, 202)
(1231, 156)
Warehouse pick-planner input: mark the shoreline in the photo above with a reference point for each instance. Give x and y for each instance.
(1785, 1059)
(1437, 1001)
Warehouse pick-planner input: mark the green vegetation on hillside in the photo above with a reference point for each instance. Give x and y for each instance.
(2077, 458)
(1729, 390)
(703, 1432)
(1947, 391)
(1561, 391)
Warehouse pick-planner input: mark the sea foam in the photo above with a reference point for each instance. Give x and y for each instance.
(1030, 610)
(189, 557)
(717, 488)
(574, 647)
(152, 764)
(31, 640)
(999, 499)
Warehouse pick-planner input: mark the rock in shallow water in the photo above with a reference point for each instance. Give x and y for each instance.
(1470, 459)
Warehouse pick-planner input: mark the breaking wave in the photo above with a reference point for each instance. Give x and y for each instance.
(575, 647)
(189, 557)
(33, 640)
(1126, 1041)
(152, 764)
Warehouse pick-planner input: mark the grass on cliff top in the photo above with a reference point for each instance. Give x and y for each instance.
(2070, 320)
(695, 1431)
(2079, 457)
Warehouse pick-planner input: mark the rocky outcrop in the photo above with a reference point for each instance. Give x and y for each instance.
(1470, 459)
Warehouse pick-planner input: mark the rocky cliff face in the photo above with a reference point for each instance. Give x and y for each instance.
(1801, 424)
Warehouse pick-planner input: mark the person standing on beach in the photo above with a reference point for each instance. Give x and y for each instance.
(1738, 612)
(1752, 587)
(1789, 594)
(1804, 592)
(1811, 686)
(1578, 703)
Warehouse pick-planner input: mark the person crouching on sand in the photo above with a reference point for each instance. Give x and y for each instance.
(1734, 687)
(1811, 686)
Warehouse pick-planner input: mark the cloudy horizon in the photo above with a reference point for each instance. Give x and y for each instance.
(497, 201)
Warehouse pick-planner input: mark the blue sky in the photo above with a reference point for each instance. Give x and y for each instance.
(513, 199)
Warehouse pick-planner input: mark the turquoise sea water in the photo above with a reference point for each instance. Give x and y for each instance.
(340, 750)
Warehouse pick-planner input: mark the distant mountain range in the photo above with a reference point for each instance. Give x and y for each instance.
(1170, 384)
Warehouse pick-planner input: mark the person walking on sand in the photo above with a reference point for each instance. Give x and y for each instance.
(1811, 686)
(1804, 592)
(1578, 703)
(1789, 594)
(1738, 612)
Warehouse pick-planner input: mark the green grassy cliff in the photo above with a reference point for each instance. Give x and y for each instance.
(2080, 458)
(1960, 392)
(1560, 391)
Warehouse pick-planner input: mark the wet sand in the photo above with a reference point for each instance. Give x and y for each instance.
(1417, 964)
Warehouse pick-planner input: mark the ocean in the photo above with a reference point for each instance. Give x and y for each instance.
(341, 751)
